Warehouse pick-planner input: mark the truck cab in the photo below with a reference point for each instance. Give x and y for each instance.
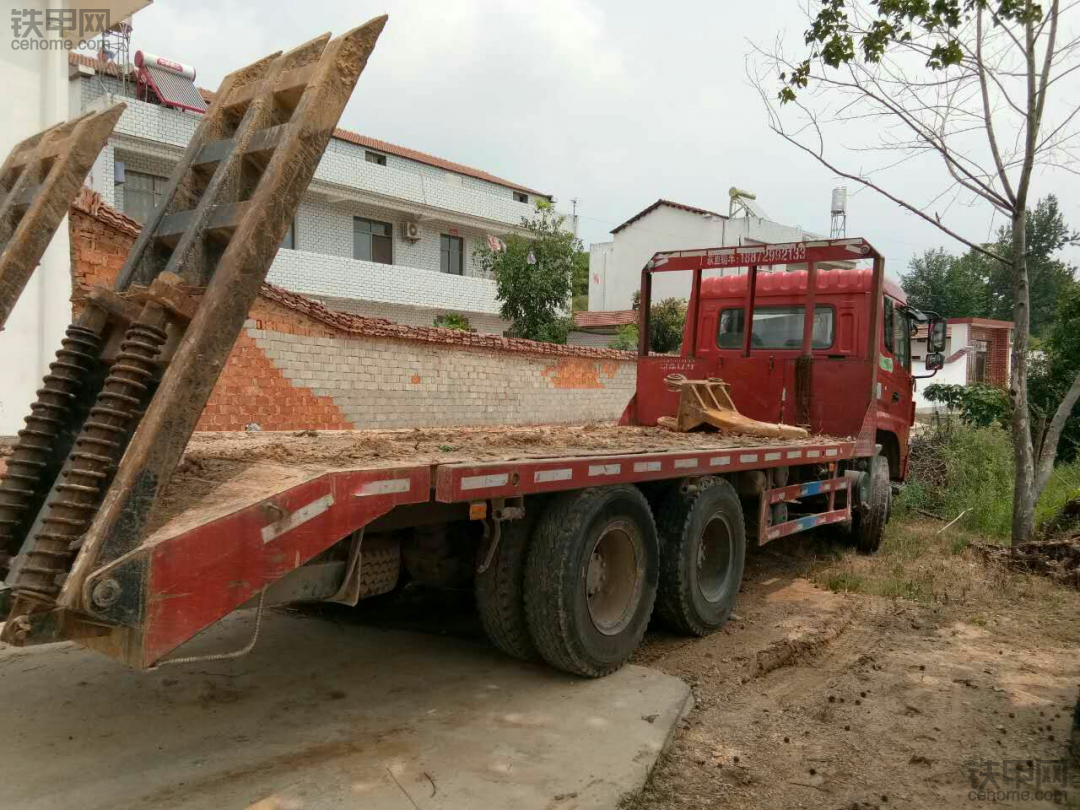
(829, 347)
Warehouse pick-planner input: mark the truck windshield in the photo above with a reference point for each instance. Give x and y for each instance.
(776, 327)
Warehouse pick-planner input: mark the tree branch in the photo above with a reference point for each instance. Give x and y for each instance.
(1053, 433)
(987, 113)
(907, 206)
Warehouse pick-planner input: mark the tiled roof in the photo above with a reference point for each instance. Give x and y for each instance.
(594, 320)
(352, 137)
(701, 211)
(90, 202)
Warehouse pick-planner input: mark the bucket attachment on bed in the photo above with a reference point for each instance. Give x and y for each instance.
(707, 402)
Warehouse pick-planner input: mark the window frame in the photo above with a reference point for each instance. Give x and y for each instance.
(388, 236)
(289, 240)
(521, 197)
(741, 315)
(446, 254)
(156, 191)
(377, 158)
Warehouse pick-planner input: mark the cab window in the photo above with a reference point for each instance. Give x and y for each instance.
(777, 328)
(890, 325)
(902, 338)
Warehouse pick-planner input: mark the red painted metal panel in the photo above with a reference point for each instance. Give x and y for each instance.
(470, 482)
(809, 522)
(795, 491)
(197, 577)
(761, 255)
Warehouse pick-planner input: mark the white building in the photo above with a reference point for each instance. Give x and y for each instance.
(383, 231)
(34, 60)
(977, 351)
(615, 266)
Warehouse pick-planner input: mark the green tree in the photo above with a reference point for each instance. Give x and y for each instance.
(1049, 277)
(581, 281)
(946, 284)
(666, 321)
(1052, 373)
(534, 276)
(966, 83)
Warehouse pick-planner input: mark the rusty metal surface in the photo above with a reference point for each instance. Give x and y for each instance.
(225, 211)
(304, 91)
(707, 402)
(38, 182)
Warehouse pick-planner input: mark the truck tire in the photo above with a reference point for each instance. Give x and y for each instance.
(590, 579)
(500, 594)
(868, 527)
(703, 551)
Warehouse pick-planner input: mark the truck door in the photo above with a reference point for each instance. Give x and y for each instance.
(894, 394)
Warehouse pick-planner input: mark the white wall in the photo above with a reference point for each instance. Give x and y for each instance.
(954, 373)
(35, 97)
(615, 266)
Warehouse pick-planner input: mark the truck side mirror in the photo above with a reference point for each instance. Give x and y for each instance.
(935, 361)
(936, 337)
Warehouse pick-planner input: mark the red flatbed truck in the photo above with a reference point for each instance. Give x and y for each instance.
(568, 553)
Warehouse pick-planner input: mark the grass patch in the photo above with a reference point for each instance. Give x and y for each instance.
(954, 467)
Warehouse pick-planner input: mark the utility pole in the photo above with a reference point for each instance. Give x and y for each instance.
(574, 201)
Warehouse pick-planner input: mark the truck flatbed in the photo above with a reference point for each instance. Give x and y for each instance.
(244, 510)
(224, 471)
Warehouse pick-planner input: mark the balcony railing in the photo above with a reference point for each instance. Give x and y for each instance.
(320, 274)
(343, 165)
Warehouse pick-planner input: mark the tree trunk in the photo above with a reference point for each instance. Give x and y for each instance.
(1025, 492)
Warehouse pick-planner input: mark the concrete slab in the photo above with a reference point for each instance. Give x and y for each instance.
(325, 715)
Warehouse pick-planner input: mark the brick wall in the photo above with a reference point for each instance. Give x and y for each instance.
(997, 355)
(299, 364)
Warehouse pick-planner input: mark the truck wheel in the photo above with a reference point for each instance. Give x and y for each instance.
(500, 594)
(868, 526)
(702, 558)
(590, 579)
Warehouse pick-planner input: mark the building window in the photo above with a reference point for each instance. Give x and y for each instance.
(372, 241)
(289, 242)
(375, 157)
(776, 328)
(452, 254)
(521, 196)
(142, 194)
(980, 368)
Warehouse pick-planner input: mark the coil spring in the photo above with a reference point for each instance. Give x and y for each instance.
(89, 468)
(22, 486)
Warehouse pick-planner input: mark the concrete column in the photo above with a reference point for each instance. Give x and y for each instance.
(36, 87)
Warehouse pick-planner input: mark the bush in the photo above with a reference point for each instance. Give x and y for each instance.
(977, 405)
(626, 339)
(956, 466)
(451, 320)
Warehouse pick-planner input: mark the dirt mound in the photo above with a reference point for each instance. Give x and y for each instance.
(1057, 559)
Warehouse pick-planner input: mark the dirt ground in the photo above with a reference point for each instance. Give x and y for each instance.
(912, 679)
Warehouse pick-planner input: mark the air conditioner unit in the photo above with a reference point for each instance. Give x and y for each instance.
(410, 231)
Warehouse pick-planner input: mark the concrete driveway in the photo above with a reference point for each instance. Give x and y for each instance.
(321, 715)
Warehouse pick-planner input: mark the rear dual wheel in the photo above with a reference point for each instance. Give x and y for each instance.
(704, 553)
(590, 579)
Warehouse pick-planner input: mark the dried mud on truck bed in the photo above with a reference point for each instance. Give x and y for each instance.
(272, 461)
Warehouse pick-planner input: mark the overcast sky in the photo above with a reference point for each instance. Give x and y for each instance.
(612, 103)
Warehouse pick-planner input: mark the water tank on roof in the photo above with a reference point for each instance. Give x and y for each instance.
(839, 200)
